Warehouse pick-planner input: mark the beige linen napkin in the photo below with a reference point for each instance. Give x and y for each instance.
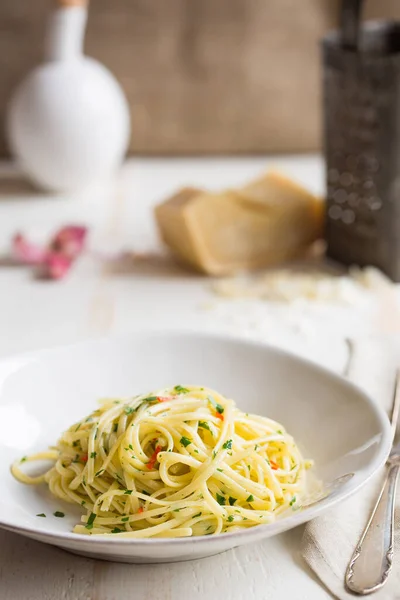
(329, 541)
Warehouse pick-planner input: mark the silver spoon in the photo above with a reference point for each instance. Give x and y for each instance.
(371, 563)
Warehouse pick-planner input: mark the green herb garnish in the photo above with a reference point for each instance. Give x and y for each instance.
(230, 518)
(232, 500)
(220, 499)
(128, 492)
(220, 470)
(99, 472)
(181, 390)
(130, 446)
(93, 454)
(293, 500)
(41, 515)
(218, 407)
(125, 519)
(250, 498)
(195, 516)
(227, 445)
(128, 410)
(90, 521)
(116, 530)
(75, 443)
(59, 514)
(205, 425)
(185, 441)
(23, 459)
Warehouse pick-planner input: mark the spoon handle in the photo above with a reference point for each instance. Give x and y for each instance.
(371, 562)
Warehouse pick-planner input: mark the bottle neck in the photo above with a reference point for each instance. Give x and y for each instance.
(65, 33)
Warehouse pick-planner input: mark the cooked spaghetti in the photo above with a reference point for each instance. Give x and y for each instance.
(178, 462)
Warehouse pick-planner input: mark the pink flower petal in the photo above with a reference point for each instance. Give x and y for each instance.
(69, 240)
(55, 266)
(25, 251)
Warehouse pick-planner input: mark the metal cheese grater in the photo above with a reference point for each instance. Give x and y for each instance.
(362, 141)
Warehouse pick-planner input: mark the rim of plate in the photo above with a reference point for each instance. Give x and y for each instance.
(349, 488)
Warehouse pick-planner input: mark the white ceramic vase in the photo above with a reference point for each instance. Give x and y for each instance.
(68, 122)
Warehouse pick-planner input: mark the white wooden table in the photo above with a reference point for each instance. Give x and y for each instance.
(96, 300)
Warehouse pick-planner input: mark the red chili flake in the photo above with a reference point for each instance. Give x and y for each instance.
(141, 509)
(219, 415)
(163, 398)
(84, 458)
(153, 458)
(274, 465)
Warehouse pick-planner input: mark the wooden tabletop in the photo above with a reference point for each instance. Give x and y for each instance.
(99, 298)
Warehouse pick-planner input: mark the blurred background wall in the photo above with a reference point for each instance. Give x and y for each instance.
(201, 76)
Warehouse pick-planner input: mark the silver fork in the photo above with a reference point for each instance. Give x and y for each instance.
(371, 563)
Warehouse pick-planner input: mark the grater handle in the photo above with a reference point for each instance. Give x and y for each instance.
(350, 23)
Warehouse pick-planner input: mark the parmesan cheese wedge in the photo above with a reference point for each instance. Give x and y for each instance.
(264, 223)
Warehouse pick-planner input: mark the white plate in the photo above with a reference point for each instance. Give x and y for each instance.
(43, 393)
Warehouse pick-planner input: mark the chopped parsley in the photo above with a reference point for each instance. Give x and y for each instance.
(293, 500)
(125, 519)
(185, 441)
(220, 499)
(41, 515)
(128, 492)
(204, 425)
(279, 431)
(83, 502)
(230, 518)
(130, 446)
(220, 470)
(195, 516)
(181, 390)
(75, 443)
(218, 407)
(23, 459)
(59, 514)
(256, 448)
(250, 498)
(116, 530)
(99, 472)
(128, 410)
(214, 454)
(227, 445)
(232, 500)
(93, 454)
(149, 399)
(90, 521)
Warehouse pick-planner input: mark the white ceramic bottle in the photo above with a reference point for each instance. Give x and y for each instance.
(68, 122)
